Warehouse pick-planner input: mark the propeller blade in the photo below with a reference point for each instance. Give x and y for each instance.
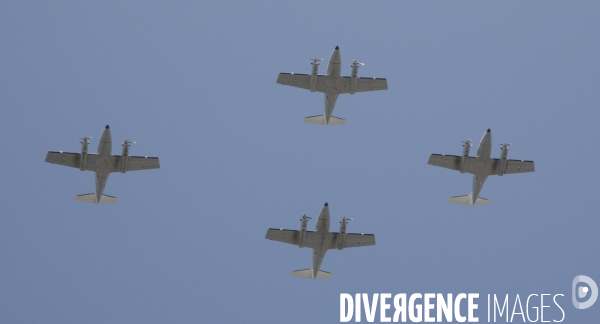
(354, 61)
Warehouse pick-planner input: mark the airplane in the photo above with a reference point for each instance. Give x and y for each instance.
(481, 167)
(320, 241)
(102, 163)
(332, 84)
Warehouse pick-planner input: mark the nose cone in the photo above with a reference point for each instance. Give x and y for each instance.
(106, 137)
(326, 204)
(486, 141)
(489, 130)
(336, 58)
(337, 48)
(324, 214)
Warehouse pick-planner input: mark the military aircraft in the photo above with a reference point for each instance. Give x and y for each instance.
(320, 241)
(102, 163)
(481, 167)
(332, 85)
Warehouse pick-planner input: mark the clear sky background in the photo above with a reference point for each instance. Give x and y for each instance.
(194, 84)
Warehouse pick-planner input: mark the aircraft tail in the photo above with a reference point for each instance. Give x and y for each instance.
(91, 198)
(307, 273)
(320, 120)
(466, 200)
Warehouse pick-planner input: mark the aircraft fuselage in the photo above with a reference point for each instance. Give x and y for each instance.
(322, 240)
(103, 162)
(332, 83)
(484, 165)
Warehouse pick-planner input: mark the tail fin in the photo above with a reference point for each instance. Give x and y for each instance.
(91, 198)
(466, 200)
(320, 120)
(307, 273)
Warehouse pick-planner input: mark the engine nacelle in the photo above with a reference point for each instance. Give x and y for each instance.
(342, 237)
(503, 159)
(124, 156)
(354, 76)
(464, 159)
(302, 237)
(314, 75)
(84, 153)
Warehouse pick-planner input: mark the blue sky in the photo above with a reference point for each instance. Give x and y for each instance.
(194, 83)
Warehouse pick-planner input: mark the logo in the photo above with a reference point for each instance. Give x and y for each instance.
(582, 291)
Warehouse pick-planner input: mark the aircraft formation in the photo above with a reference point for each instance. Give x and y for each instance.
(103, 163)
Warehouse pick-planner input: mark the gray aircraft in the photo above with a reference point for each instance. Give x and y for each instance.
(102, 163)
(320, 241)
(481, 167)
(332, 84)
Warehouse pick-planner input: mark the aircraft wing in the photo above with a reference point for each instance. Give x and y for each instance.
(451, 162)
(513, 166)
(301, 81)
(70, 159)
(135, 163)
(364, 84)
(290, 236)
(353, 240)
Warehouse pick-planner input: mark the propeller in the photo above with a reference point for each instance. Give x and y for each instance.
(347, 219)
(305, 216)
(315, 60)
(505, 144)
(128, 142)
(86, 138)
(467, 142)
(355, 63)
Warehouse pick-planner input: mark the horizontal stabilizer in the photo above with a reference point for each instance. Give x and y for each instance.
(91, 198)
(307, 273)
(320, 120)
(465, 200)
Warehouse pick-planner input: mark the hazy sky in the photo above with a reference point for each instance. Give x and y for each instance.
(194, 84)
